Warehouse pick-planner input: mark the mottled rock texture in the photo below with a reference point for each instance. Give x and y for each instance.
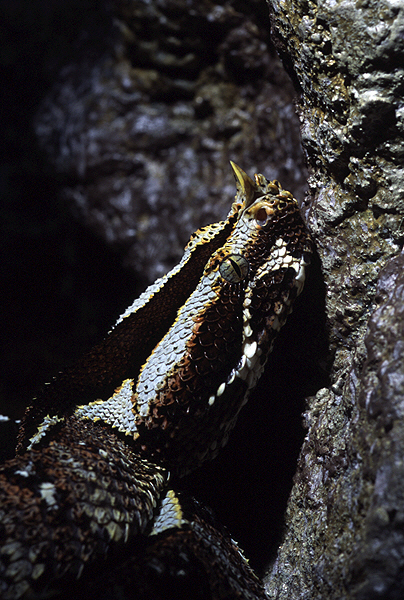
(344, 534)
(146, 130)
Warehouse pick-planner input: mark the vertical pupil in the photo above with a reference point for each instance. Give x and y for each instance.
(235, 266)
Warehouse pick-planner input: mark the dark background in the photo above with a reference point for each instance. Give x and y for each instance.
(62, 286)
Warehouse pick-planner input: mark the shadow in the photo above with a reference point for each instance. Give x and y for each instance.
(248, 485)
(62, 288)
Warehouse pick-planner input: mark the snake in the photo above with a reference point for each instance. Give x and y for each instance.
(87, 506)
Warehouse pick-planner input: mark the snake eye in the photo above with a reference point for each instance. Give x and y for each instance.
(234, 268)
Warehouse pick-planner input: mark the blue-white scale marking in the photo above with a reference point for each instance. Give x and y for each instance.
(169, 514)
(172, 347)
(118, 410)
(154, 288)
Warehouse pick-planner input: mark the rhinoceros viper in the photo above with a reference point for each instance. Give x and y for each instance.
(86, 507)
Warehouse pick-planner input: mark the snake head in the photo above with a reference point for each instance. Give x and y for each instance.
(175, 371)
(196, 380)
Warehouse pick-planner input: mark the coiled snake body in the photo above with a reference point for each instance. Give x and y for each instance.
(86, 507)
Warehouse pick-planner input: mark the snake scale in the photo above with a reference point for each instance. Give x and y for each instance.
(86, 507)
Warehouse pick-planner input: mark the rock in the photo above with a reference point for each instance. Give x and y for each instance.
(145, 130)
(343, 536)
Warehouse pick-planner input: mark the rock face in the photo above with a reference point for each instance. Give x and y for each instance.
(145, 131)
(344, 535)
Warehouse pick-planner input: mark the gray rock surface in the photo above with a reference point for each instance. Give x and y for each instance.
(344, 534)
(146, 130)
